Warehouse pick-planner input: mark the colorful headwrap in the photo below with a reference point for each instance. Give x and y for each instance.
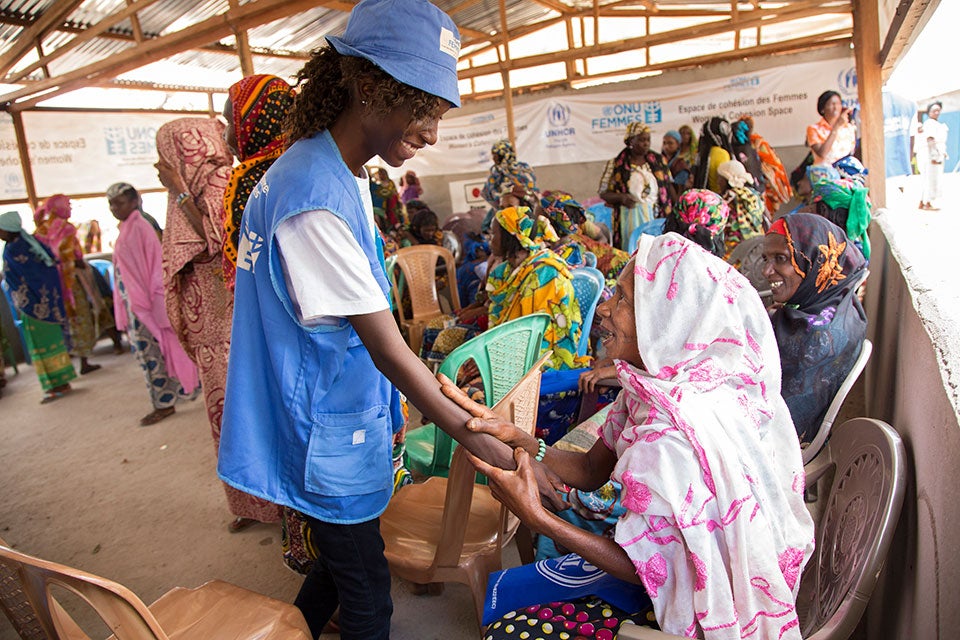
(675, 135)
(10, 221)
(635, 129)
(518, 224)
(702, 209)
(555, 205)
(821, 328)
(715, 133)
(843, 193)
(504, 150)
(60, 236)
(260, 106)
(741, 132)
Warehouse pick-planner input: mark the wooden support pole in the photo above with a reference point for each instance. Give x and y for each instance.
(735, 16)
(210, 107)
(646, 50)
(505, 74)
(44, 68)
(243, 45)
(596, 22)
(571, 65)
(25, 166)
(866, 48)
(135, 24)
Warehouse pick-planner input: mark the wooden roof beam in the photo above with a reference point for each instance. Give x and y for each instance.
(23, 43)
(246, 16)
(86, 35)
(841, 37)
(752, 19)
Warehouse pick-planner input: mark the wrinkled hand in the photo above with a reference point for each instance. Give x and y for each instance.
(589, 379)
(518, 490)
(168, 177)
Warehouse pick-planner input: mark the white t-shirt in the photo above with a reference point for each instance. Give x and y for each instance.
(327, 274)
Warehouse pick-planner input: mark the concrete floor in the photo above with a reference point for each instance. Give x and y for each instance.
(82, 484)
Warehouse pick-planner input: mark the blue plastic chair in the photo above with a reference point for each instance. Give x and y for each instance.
(503, 355)
(587, 286)
(17, 321)
(651, 228)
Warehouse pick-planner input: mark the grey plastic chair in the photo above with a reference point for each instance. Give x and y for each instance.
(747, 257)
(811, 450)
(860, 515)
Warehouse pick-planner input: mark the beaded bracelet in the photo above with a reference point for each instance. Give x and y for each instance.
(541, 450)
(182, 198)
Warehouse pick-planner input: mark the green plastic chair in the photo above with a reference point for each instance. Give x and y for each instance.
(503, 355)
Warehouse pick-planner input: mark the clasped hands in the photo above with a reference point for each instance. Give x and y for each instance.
(531, 488)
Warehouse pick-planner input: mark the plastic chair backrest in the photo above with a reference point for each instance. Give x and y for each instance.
(747, 257)
(418, 264)
(503, 355)
(14, 603)
(119, 608)
(105, 267)
(650, 227)
(811, 450)
(587, 285)
(853, 536)
(855, 531)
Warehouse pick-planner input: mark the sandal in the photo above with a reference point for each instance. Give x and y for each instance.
(90, 368)
(156, 416)
(56, 393)
(239, 524)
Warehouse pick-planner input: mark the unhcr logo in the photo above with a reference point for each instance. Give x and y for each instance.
(559, 117)
(847, 81)
(743, 83)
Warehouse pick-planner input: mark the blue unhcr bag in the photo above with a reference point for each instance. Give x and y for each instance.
(557, 580)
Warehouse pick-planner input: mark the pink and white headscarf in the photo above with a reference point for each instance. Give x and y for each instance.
(707, 454)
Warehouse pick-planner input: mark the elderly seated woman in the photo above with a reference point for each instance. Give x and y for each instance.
(714, 526)
(814, 271)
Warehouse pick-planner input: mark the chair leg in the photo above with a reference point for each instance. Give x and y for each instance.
(525, 547)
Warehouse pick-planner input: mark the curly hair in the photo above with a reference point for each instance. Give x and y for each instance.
(324, 93)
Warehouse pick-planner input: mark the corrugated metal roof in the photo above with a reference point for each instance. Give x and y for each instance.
(296, 34)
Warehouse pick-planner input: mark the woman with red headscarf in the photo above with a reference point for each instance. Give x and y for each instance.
(83, 304)
(195, 166)
(255, 110)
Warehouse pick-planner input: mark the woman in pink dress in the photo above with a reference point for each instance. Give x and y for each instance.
(195, 166)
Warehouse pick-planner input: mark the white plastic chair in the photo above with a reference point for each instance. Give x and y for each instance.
(811, 450)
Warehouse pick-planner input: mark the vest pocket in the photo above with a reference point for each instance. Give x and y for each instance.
(349, 453)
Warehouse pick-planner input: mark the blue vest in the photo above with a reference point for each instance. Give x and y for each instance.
(307, 419)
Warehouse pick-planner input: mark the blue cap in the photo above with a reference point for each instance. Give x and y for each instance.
(412, 40)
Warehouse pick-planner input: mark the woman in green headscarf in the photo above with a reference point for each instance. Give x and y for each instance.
(29, 269)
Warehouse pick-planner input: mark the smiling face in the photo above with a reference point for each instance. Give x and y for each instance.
(618, 322)
(670, 145)
(397, 137)
(778, 267)
(934, 111)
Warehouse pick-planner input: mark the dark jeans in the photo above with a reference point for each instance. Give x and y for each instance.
(351, 573)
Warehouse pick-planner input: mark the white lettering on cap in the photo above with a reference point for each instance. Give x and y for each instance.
(449, 43)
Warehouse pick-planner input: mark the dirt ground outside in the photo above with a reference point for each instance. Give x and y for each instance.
(81, 483)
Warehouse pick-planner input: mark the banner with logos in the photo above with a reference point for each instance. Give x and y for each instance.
(578, 127)
(75, 152)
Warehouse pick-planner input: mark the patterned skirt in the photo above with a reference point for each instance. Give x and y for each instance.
(583, 618)
(48, 352)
